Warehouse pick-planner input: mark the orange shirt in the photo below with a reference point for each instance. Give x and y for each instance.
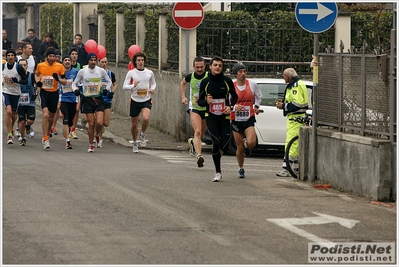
(46, 75)
(3, 61)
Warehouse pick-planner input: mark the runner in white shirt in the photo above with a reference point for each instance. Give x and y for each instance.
(93, 91)
(141, 82)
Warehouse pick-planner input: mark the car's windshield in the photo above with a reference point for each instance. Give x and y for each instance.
(271, 92)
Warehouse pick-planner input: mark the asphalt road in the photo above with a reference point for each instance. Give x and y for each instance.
(157, 207)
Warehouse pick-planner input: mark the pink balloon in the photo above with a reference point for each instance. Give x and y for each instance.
(133, 49)
(91, 46)
(130, 66)
(101, 52)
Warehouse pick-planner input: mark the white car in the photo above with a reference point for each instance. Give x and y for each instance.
(270, 124)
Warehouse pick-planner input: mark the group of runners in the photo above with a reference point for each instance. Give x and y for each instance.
(216, 103)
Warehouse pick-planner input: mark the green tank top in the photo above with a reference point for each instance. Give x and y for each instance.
(194, 90)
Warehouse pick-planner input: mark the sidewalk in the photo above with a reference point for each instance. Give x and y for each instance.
(118, 132)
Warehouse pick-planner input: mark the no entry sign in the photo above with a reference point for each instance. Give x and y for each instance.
(188, 15)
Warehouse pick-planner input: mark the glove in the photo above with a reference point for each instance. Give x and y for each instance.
(39, 84)
(110, 95)
(55, 76)
(33, 97)
(105, 91)
(77, 92)
(15, 79)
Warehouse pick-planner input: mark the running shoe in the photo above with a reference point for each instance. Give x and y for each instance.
(73, 135)
(100, 143)
(96, 140)
(135, 148)
(241, 173)
(27, 129)
(10, 140)
(143, 141)
(54, 130)
(46, 144)
(217, 178)
(200, 161)
(91, 148)
(23, 142)
(191, 146)
(17, 133)
(247, 152)
(68, 145)
(283, 173)
(32, 133)
(83, 123)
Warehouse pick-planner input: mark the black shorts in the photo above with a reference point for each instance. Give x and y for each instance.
(68, 110)
(240, 126)
(81, 99)
(107, 105)
(11, 100)
(49, 100)
(136, 107)
(199, 112)
(26, 113)
(92, 104)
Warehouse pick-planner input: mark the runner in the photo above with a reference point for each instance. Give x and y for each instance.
(197, 113)
(73, 52)
(27, 103)
(48, 74)
(27, 54)
(243, 115)
(92, 101)
(13, 75)
(218, 95)
(142, 87)
(68, 100)
(57, 113)
(107, 101)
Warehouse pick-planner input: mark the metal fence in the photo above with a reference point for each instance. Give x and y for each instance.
(353, 96)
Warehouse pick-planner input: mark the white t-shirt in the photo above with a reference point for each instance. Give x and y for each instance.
(146, 81)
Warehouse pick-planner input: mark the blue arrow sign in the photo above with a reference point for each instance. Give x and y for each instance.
(316, 17)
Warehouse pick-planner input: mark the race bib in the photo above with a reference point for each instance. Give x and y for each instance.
(24, 99)
(8, 80)
(141, 93)
(93, 87)
(104, 85)
(217, 106)
(67, 88)
(48, 82)
(243, 114)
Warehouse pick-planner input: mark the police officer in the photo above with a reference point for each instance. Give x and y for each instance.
(294, 104)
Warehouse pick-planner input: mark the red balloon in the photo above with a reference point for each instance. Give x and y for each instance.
(101, 52)
(91, 46)
(133, 49)
(130, 66)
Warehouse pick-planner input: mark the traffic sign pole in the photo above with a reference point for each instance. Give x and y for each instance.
(314, 106)
(188, 16)
(315, 18)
